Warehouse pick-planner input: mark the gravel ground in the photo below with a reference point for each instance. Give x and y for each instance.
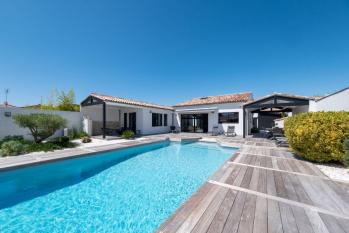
(335, 171)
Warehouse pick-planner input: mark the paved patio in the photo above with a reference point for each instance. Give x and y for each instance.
(264, 189)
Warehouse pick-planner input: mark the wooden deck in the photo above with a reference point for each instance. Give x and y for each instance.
(264, 189)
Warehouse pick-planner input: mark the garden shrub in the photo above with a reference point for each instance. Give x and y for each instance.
(346, 152)
(41, 126)
(62, 141)
(318, 136)
(127, 134)
(48, 146)
(83, 134)
(11, 138)
(10, 148)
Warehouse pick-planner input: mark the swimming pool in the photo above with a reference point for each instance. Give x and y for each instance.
(129, 190)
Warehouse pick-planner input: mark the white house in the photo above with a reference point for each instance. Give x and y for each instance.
(201, 115)
(338, 101)
(115, 114)
(198, 115)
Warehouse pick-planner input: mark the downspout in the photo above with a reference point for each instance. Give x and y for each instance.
(244, 121)
(104, 118)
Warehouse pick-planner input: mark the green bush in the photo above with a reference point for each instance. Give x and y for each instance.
(48, 146)
(83, 134)
(62, 141)
(346, 154)
(11, 138)
(318, 136)
(11, 148)
(127, 134)
(41, 126)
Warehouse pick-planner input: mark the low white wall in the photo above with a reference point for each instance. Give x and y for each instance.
(8, 127)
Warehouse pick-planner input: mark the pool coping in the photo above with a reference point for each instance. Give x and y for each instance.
(22, 161)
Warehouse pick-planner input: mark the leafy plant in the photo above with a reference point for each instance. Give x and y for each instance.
(86, 139)
(83, 134)
(10, 148)
(346, 155)
(127, 134)
(318, 136)
(62, 141)
(48, 146)
(11, 138)
(66, 101)
(41, 126)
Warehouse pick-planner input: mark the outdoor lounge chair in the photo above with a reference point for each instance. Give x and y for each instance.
(230, 131)
(277, 132)
(215, 131)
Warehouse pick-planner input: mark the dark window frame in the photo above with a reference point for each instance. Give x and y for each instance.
(156, 119)
(165, 120)
(228, 117)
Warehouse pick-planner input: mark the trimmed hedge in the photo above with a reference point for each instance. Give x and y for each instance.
(318, 136)
(346, 154)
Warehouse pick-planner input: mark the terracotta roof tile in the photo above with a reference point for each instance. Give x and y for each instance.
(222, 99)
(120, 100)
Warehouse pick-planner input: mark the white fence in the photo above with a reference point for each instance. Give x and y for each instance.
(8, 127)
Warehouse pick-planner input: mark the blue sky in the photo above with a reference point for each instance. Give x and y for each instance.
(169, 51)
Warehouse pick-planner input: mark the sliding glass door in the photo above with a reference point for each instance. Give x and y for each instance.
(194, 123)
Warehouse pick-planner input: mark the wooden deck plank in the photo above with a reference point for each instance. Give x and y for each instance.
(302, 220)
(289, 224)
(274, 217)
(174, 222)
(232, 223)
(247, 216)
(260, 224)
(206, 219)
(222, 214)
(332, 224)
(317, 224)
(197, 212)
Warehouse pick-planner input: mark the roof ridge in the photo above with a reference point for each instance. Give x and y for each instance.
(140, 102)
(241, 93)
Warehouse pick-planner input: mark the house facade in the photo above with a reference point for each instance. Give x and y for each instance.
(105, 114)
(114, 114)
(202, 115)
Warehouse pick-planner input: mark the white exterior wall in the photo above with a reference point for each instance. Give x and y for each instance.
(143, 117)
(336, 102)
(213, 115)
(147, 127)
(8, 127)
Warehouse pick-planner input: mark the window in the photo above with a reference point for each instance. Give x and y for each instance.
(165, 119)
(228, 117)
(156, 119)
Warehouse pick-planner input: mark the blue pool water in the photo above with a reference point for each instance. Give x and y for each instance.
(130, 190)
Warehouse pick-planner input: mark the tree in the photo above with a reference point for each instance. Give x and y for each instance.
(66, 101)
(41, 126)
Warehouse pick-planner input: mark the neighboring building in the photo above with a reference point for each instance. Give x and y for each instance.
(338, 101)
(201, 115)
(115, 113)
